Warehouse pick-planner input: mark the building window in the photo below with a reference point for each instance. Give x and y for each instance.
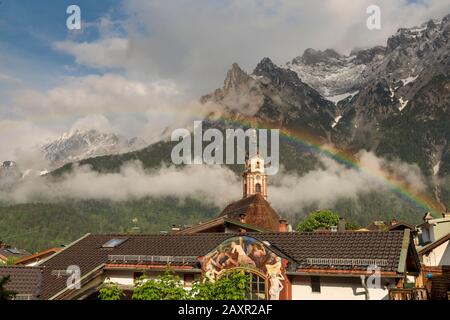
(258, 188)
(257, 287)
(188, 279)
(315, 284)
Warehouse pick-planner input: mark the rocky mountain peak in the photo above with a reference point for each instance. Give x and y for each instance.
(421, 36)
(265, 66)
(235, 77)
(366, 56)
(277, 75)
(313, 57)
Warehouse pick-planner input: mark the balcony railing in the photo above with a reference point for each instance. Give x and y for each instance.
(408, 294)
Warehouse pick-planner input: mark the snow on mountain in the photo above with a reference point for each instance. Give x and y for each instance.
(335, 76)
(81, 144)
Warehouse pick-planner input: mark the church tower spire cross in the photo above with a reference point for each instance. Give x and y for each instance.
(254, 177)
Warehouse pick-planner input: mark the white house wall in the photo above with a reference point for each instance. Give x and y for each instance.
(439, 256)
(126, 277)
(337, 288)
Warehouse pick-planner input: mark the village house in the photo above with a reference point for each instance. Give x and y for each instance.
(433, 246)
(247, 235)
(9, 254)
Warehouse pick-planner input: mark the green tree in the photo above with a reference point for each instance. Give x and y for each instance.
(352, 225)
(166, 287)
(318, 220)
(232, 285)
(111, 291)
(11, 261)
(5, 294)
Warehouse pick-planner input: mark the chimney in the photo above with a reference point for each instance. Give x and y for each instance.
(341, 225)
(393, 222)
(242, 217)
(283, 225)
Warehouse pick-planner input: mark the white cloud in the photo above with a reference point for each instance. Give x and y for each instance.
(165, 54)
(93, 122)
(21, 136)
(104, 53)
(133, 182)
(95, 94)
(194, 43)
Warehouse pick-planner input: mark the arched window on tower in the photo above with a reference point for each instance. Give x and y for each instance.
(257, 165)
(258, 188)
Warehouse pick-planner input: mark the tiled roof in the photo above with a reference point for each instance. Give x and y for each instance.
(88, 254)
(257, 210)
(23, 280)
(401, 225)
(340, 245)
(8, 252)
(221, 221)
(37, 256)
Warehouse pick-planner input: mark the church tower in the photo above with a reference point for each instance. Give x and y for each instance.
(254, 177)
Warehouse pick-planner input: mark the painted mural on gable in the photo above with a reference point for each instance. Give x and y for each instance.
(248, 253)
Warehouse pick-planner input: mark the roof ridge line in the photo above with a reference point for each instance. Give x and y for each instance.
(63, 249)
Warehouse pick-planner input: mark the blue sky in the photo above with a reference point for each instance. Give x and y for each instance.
(139, 65)
(28, 28)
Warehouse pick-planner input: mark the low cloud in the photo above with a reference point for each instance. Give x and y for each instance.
(132, 182)
(213, 184)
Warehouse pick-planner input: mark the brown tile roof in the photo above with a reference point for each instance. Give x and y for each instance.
(23, 280)
(88, 253)
(257, 210)
(220, 223)
(37, 256)
(401, 225)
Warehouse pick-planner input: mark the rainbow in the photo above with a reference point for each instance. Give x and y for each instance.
(305, 140)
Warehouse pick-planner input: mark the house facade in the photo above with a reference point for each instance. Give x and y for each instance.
(283, 265)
